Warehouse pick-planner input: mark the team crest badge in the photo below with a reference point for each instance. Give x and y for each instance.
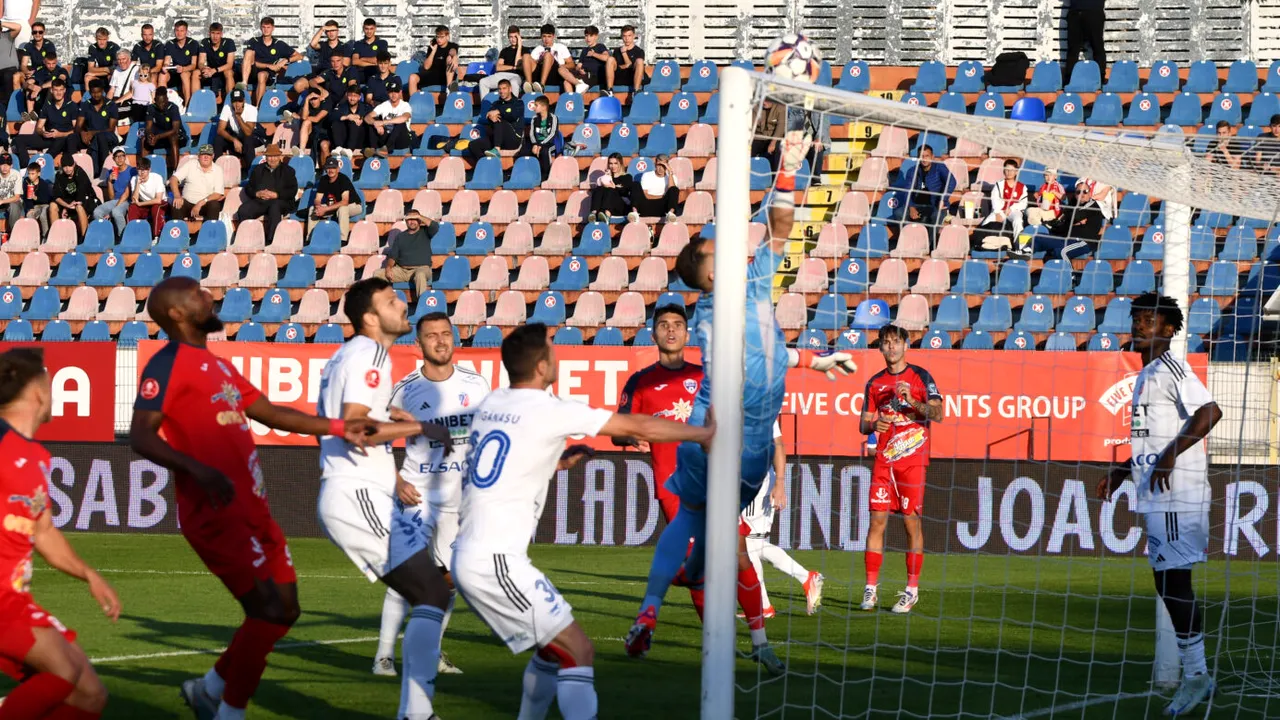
(465, 399)
(691, 386)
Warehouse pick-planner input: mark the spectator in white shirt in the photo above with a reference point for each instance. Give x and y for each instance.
(1008, 203)
(120, 88)
(389, 122)
(238, 132)
(1103, 194)
(147, 197)
(658, 194)
(10, 192)
(198, 188)
(549, 61)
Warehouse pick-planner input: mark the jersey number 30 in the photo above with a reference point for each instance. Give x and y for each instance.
(488, 456)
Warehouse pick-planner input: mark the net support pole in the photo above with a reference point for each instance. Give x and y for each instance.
(1167, 668)
(725, 368)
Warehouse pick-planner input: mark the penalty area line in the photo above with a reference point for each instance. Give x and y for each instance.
(1078, 705)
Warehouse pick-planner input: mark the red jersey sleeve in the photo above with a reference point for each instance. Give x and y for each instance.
(627, 401)
(158, 379)
(249, 393)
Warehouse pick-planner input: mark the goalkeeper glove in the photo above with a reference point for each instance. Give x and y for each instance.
(824, 362)
(795, 147)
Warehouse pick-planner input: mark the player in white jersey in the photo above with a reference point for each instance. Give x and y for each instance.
(430, 486)
(756, 523)
(1172, 414)
(517, 443)
(357, 506)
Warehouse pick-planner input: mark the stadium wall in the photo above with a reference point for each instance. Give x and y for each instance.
(890, 32)
(993, 508)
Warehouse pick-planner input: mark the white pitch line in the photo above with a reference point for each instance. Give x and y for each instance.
(1078, 705)
(219, 650)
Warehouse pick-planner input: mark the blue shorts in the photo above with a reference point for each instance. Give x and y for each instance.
(689, 481)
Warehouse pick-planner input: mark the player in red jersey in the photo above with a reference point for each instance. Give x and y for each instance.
(57, 681)
(192, 416)
(899, 404)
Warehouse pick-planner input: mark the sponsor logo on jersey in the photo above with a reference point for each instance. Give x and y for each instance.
(464, 399)
(425, 405)
(20, 579)
(659, 388)
(150, 389)
(679, 411)
(904, 444)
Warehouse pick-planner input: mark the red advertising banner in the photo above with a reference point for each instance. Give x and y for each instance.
(999, 404)
(84, 390)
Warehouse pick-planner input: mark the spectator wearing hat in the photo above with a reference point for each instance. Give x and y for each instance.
(37, 198)
(389, 123)
(408, 259)
(376, 85)
(542, 135)
(10, 192)
(440, 66)
(55, 131)
(502, 127)
(657, 195)
(265, 59)
(116, 181)
(102, 55)
(347, 128)
(271, 193)
(238, 132)
(147, 198)
(365, 51)
(97, 125)
(217, 62)
(198, 188)
(73, 195)
(335, 199)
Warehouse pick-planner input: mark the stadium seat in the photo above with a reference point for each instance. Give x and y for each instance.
(662, 141)
(174, 238)
(977, 340)
(1144, 109)
(1139, 277)
(936, 340)
(873, 240)
(570, 108)
(666, 77)
(913, 313)
(1014, 278)
(568, 336)
(1134, 211)
(1060, 342)
(274, 308)
(1152, 247)
(1096, 279)
(936, 142)
(186, 265)
(624, 140)
(850, 277)
(931, 78)
(811, 339)
(1019, 340)
(300, 273)
(1221, 280)
(703, 77)
(1115, 316)
(487, 336)
(94, 331)
(10, 302)
(423, 107)
(1163, 77)
(605, 111)
(952, 102)
(1241, 245)
(132, 332)
(1185, 110)
(18, 331)
(1202, 243)
(1046, 77)
(969, 78)
(1272, 83)
(989, 105)
(1261, 109)
(915, 98)
(682, 110)
(1036, 316)
(856, 77)
(1085, 78)
(136, 238)
(1107, 111)
(429, 139)
(329, 333)
(56, 331)
(1203, 317)
(549, 309)
(1202, 78)
(628, 311)
(1068, 109)
(148, 270)
(588, 312)
(290, 333)
(1226, 107)
(429, 302)
(101, 237)
(891, 277)
(1103, 342)
(525, 174)
(457, 109)
(645, 109)
(595, 240)
(870, 315)
(45, 304)
(974, 278)
(250, 332)
(1122, 77)
(571, 276)
(952, 314)
(1055, 278)
(995, 315)
(72, 271)
(1078, 315)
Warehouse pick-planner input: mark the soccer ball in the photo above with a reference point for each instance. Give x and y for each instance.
(793, 57)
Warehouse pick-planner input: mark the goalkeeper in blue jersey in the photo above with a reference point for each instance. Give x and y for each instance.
(767, 361)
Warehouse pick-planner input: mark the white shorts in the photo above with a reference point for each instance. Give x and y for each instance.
(760, 524)
(514, 598)
(437, 527)
(361, 519)
(1177, 539)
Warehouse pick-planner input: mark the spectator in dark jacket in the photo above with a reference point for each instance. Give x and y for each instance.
(1086, 20)
(543, 130)
(347, 129)
(611, 194)
(1075, 234)
(73, 195)
(271, 193)
(923, 195)
(502, 125)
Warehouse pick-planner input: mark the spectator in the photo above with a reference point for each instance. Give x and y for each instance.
(1048, 207)
(55, 130)
(238, 132)
(924, 196)
(509, 64)
(502, 127)
(39, 87)
(548, 61)
(336, 77)
(335, 198)
(149, 53)
(770, 124)
(102, 55)
(23, 13)
(658, 194)
(595, 65)
(1008, 203)
(347, 128)
(37, 198)
(147, 197)
(217, 62)
(120, 88)
(1073, 235)
(116, 181)
(142, 91)
(164, 130)
(97, 125)
(1220, 149)
(409, 257)
(265, 60)
(542, 135)
(183, 55)
(10, 74)
(389, 123)
(376, 87)
(440, 66)
(1086, 22)
(629, 59)
(73, 195)
(33, 53)
(271, 193)
(326, 44)
(364, 52)
(313, 135)
(612, 192)
(1101, 193)
(10, 193)
(198, 188)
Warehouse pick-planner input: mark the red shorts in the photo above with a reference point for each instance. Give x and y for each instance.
(19, 617)
(669, 501)
(241, 550)
(897, 488)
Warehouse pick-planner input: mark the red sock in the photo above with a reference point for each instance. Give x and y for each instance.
(35, 697)
(245, 660)
(749, 598)
(914, 562)
(697, 597)
(786, 182)
(67, 712)
(873, 561)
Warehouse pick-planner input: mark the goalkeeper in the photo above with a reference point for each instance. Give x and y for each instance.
(767, 361)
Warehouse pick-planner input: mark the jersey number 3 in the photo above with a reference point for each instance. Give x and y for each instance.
(488, 456)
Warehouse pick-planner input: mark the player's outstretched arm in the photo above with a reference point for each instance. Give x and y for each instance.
(656, 430)
(826, 362)
(54, 548)
(279, 417)
(144, 439)
(398, 430)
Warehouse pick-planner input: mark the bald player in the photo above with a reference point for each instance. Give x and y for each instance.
(192, 416)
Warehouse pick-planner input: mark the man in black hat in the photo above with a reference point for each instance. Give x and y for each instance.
(164, 130)
(272, 192)
(389, 122)
(238, 131)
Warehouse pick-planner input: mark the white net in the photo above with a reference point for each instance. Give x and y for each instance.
(1035, 598)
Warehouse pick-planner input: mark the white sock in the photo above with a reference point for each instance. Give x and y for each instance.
(754, 557)
(214, 684)
(758, 638)
(779, 558)
(448, 613)
(539, 688)
(394, 608)
(421, 653)
(1191, 650)
(226, 712)
(576, 693)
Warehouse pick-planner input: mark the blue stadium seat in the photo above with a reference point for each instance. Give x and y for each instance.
(1096, 279)
(406, 69)
(487, 336)
(132, 332)
(298, 69)
(18, 330)
(605, 111)
(666, 77)
(95, 331)
(43, 305)
(856, 77)
(1261, 109)
(662, 141)
(703, 77)
(1103, 342)
(99, 238)
(148, 270)
(850, 276)
(930, 78)
(870, 315)
(670, 298)
(455, 274)
(812, 339)
(1203, 317)
(1085, 78)
(1202, 78)
(290, 333)
(1115, 316)
(1272, 83)
(526, 174)
(1116, 243)
(851, 339)
(326, 239)
(1060, 342)
(761, 174)
(1139, 277)
(423, 106)
(1107, 111)
(203, 106)
(273, 100)
(1241, 245)
(832, 313)
(644, 338)
(995, 315)
(624, 140)
(969, 78)
(1078, 315)
(56, 331)
(1068, 109)
(1186, 110)
(479, 238)
(412, 174)
(977, 340)
(1014, 278)
(1163, 77)
(72, 271)
(329, 333)
(644, 109)
(457, 109)
(570, 108)
(375, 174)
(274, 308)
(1144, 109)
(682, 110)
(1226, 106)
(824, 74)
(429, 302)
(989, 105)
(1036, 315)
(13, 113)
(952, 102)
(186, 265)
(432, 135)
(587, 139)
(109, 272)
(1046, 77)
(445, 241)
(572, 276)
(873, 240)
(550, 307)
(1055, 278)
(568, 336)
(1134, 211)
(1202, 243)
(251, 332)
(1152, 247)
(915, 98)
(952, 314)
(136, 238)
(936, 142)
(10, 302)
(299, 273)
(487, 174)
(1020, 340)
(1122, 77)
(594, 240)
(1222, 280)
(174, 238)
(936, 340)
(608, 337)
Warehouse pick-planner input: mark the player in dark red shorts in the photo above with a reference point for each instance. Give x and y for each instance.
(192, 416)
(57, 681)
(899, 404)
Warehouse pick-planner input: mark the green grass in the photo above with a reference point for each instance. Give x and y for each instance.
(991, 636)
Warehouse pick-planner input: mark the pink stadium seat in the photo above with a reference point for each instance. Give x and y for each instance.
(873, 176)
(186, 160)
(596, 170)
(756, 234)
(339, 272)
(509, 310)
(968, 149)
(833, 240)
(672, 240)
(494, 274)
(791, 312)
(517, 240)
(313, 308)
(575, 211)
(34, 271)
(682, 171)
(262, 272)
(913, 313)
(612, 275)
(651, 276)
(122, 305)
(470, 309)
(635, 240)
(372, 265)
(27, 127)
(62, 237)
(700, 141)
(990, 171)
(892, 143)
(428, 203)
(854, 209)
(6, 270)
(953, 243)
(811, 277)
(339, 316)
(143, 315)
(363, 239)
(504, 207)
(450, 174)
(230, 165)
(913, 242)
(82, 305)
(288, 239)
(934, 277)
(563, 174)
(84, 162)
(464, 209)
(891, 277)
(535, 274)
(24, 236)
(588, 312)
(224, 271)
(960, 171)
(699, 208)
(388, 208)
(249, 238)
(541, 208)
(557, 240)
(708, 181)
(235, 197)
(628, 312)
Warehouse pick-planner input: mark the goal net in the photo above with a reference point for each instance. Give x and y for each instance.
(1010, 251)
